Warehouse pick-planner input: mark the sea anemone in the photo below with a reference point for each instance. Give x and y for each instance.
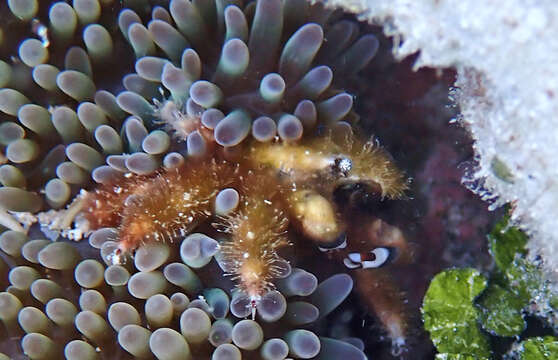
(255, 84)
(58, 291)
(210, 78)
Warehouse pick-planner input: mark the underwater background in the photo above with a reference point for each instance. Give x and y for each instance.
(48, 157)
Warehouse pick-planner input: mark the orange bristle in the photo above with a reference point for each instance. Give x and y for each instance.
(257, 231)
(103, 206)
(172, 203)
(158, 207)
(316, 162)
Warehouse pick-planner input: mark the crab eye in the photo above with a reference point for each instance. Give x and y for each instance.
(343, 165)
(373, 259)
(381, 257)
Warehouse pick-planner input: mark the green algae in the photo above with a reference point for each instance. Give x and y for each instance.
(462, 307)
(458, 357)
(539, 348)
(505, 243)
(501, 170)
(450, 315)
(501, 312)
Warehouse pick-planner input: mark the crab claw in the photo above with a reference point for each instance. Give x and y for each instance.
(317, 218)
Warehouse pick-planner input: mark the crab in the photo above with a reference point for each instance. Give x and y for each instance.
(283, 188)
